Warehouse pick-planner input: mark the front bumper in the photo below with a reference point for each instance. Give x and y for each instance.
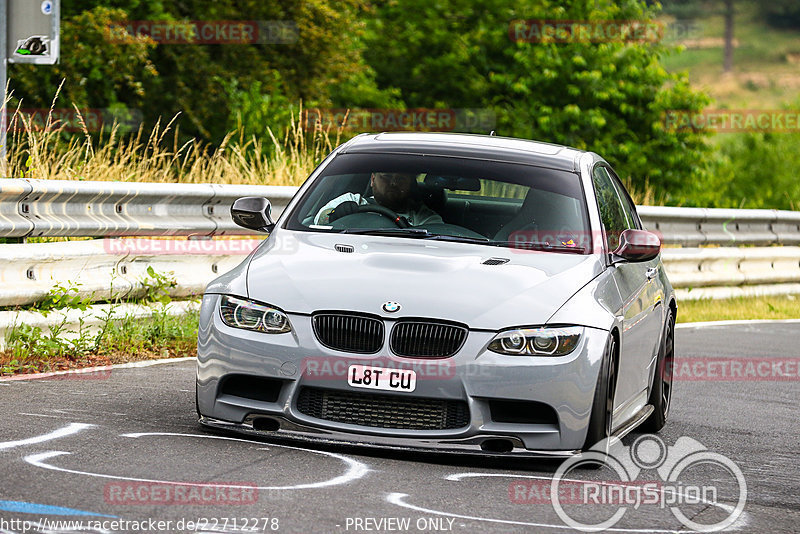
(565, 385)
(473, 445)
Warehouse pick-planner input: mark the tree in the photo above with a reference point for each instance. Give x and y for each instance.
(609, 97)
(195, 80)
(781, 13)
(729, 16)
(98, 73)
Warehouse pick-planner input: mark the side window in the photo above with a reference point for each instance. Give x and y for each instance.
(612, 211)
(627, 203)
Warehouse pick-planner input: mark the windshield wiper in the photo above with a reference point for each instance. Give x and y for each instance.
(401, 232)
(459, 239)
(419, 233)
(533, 245)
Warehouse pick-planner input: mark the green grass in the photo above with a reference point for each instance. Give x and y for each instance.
(763, 76)
(744, 308)
(125, 339)
(119, 338)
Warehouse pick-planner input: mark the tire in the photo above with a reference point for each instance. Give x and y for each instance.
(661, 392)
(603, 403)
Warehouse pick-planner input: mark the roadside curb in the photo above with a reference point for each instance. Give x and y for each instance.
(98, 369)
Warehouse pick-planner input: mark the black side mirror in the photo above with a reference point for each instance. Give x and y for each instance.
(638, 245)
(253, 213)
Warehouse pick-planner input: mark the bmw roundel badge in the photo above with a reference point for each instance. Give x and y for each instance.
(391, 307)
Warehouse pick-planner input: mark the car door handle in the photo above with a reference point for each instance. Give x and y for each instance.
(651, 273)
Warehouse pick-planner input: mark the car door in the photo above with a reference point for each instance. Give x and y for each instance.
(641, 302)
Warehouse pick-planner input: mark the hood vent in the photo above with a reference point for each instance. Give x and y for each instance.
(496, 261)
(344, 248)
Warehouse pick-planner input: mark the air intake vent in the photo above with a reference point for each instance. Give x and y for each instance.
(344, 248)
(496, 261)
(252, 387)
(383, 411)
(426, 339)
(349, 332)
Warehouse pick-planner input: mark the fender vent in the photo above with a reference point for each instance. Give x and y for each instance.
(496, 261)
(344, 248)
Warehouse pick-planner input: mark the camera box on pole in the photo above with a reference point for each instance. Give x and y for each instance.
(29, 33)
(32, 28)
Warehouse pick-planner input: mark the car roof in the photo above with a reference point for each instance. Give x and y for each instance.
(487, 147)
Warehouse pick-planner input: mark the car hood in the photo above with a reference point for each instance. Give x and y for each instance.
(303, 272)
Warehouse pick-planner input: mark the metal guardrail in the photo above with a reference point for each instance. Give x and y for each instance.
(110, 269)
(727, 266)
(725, 227)
(30, 208)
(63, 208)
(105, 269)
(69, 208)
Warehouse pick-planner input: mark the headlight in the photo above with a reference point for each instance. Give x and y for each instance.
(537, 341)
(241, 313)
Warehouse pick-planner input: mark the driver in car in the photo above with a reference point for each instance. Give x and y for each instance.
(389, 189)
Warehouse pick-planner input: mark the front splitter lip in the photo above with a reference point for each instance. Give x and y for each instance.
(472, 445)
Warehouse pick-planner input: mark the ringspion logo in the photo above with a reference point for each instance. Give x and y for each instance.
(690, 479)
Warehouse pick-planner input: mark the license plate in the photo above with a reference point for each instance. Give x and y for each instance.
(364, 376)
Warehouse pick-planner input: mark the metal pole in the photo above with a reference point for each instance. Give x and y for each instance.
(3, 67)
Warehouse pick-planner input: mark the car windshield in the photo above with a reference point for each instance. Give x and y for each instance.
(443, 198)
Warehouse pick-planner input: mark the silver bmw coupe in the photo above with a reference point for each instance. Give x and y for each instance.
(443, 292)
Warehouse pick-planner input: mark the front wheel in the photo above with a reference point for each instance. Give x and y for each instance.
(661, 393)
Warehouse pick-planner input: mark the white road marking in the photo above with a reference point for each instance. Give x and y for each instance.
(743, 520)
(72, 428)
(40, 415)
(355, 471)
(735, 322)
(397, 499)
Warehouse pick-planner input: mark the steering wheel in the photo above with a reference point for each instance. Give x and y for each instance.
(400, 221)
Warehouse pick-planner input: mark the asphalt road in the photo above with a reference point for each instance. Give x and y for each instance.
(109, 448)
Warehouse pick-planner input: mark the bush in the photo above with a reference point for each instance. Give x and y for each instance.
(781, 13)
(754, 170)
